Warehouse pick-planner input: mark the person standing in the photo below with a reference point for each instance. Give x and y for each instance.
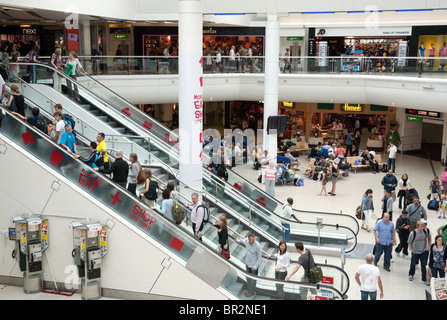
(16, 102)
(32, 67)
(56, 63)
(135, 168)
(119, 169)
(389, 183)
(384, 234)
(437, 257)
(418, 242)
(197, 214)
(271, 176)
(403, 230)
(166, 205)
(349, 144)
(102, 148)
(287, 213)
(68, 140)
(368, 278)
(252, 261)
(282, 263)
(222, 234)
(392, 153)
(368, 207)
(73, 65)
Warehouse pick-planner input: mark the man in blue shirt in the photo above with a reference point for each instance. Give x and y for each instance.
(68, 140)
(384, 234)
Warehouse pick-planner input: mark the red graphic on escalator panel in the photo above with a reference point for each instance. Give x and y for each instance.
(126, 111)
(27, 137)
(143, 217)
(177, 243)
(56, 157)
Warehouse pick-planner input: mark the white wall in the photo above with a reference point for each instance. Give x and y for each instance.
(392, 91)
(132, 264)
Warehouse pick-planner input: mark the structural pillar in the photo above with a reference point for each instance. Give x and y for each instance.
(271, 81)
(190, 95)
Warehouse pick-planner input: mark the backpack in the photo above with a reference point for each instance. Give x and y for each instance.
(425, 233)
(69, 120)
(444, 177)
(99, 161)
(152, 192)
(41, 124)
(206, 213)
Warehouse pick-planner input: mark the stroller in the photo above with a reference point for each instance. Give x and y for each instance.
(409, 195)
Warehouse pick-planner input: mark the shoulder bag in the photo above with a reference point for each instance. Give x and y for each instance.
(315, 273)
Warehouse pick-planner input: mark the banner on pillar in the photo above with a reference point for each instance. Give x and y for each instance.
(73, 39)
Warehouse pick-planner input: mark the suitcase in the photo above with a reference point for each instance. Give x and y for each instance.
(409, 195)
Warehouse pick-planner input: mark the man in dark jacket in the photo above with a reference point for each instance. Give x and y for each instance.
(403, 229)
(119, 168)
(389, 183)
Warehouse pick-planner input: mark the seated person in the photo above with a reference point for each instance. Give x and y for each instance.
(316, 167)
(315, 151)
(369, 158)
(292, 174)
(292, 159)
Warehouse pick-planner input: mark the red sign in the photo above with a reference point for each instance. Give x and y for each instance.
(142, 217)
(327, 280)
(89, 180)
(73, 39)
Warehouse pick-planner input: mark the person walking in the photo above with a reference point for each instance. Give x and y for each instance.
(368, 278)
(368, 207)
(387, 205)
(252, 261)
(134, 168)
(384, 234)
(437, 258)
(416, 211)
(404, 186)
(418, 242)
(282, 263)
(403, 230)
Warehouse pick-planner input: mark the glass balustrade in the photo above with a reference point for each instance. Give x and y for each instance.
(141, 217)
(339, 237)
(343, 64)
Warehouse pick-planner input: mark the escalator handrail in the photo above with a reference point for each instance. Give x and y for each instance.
(246, 274)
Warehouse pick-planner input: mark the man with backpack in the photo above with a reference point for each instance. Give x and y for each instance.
(415, 212)
(94, 159)
(419, 244)
(199, 215)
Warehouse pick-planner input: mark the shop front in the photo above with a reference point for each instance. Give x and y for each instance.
(330, 123)
(350, 44)
(430, 41)
(217, 41)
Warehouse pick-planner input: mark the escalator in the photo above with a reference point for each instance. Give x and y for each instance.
(339, 229)
(20, 142)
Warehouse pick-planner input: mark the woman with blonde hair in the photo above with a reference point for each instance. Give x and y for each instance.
(147, 197)
(135, 168)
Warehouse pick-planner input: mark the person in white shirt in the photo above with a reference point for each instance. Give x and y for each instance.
(232, 62)
(59, 126)
(368, 278)
(282, 263)
(392, 153)
(287, 213)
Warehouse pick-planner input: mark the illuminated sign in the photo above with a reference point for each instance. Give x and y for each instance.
(348, 108)
(121, 36)
(414, 119)
(288, 104)
(423, 113)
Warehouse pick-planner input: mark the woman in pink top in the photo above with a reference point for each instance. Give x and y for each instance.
(340, 152)
(271, 176)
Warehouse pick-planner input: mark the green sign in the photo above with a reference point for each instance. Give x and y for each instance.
(121, 36)
(414, 119)
(294, 38)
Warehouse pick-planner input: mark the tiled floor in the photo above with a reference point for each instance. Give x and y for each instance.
(348, 196)
(349, 191)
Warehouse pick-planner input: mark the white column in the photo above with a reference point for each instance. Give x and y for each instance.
(271, 80)
(190, 94)
(444, 142)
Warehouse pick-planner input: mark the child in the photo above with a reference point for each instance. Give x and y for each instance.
(435, 190)
(5, 99)
(443, 207)
(323, 182)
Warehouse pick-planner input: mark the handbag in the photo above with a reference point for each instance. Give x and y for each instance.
(359, 214)
(226, 251)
